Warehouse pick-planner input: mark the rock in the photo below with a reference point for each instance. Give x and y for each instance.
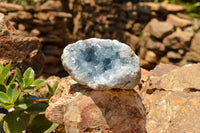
(23, 51)
(172, 103)
(102, 64)
(178, 22)
(192, 56)
(156, 46)
(52, 50)
(160, 7)
(52, 69)
(173, 55)
(51, 59)
(24, 15)
(178, 40)
(82, 110)
(147, 65)
(160, 29)
(184, 78)
(127, 38)
(171, 8)
(195, 45)
(151, 57)
(11, 7)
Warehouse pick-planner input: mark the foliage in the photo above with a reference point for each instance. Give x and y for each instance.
(25, 112)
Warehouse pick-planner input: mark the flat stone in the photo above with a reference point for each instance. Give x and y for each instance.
(102, 64)
(173, 55)
(177, 21)
(160, 29)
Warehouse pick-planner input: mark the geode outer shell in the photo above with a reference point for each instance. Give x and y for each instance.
(102, 64)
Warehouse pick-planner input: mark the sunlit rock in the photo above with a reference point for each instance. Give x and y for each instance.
(102, 64)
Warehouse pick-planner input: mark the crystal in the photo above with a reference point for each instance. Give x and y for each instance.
(102, 64)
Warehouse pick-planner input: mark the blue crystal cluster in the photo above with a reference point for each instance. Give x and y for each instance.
(102, 64)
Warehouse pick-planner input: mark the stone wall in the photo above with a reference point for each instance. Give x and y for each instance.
(157, 32)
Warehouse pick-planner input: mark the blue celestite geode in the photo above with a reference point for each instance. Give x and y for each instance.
(102, 64)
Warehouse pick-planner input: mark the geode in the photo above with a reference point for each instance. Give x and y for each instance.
(102, 64)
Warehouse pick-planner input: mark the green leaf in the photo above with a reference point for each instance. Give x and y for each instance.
(13, 123)
(10, 106)
(2, 77)
(12, 80)
(6, 106)
(6, 69)
(34, 98)
(4, 98)
(19, 76)
(28, 89)
(52, 89)
(22, 103)
(38, 83)
(45, 126)
(2, 88)
(12, 91)
(1, 127)
(28, 81)
(37, 108)
(1, 67)
(29, 73)
(16, 96)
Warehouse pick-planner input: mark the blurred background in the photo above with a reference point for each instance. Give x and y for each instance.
(159, 31)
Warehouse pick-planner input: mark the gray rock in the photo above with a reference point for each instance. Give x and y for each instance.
(102, 64)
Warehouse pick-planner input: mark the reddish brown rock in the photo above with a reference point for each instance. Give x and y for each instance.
(82, 110)
(195, 45)
(11, 7)
(192, 56)
(155, 45)
(173, 55)
(178, 22)
(160, 29)
(23, 51)
(151, 57)
(172, 99)
(178, 40)
(180, 79)
(161, 7)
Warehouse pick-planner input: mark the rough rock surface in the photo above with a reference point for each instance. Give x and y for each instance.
(195, 45)
(156, 46)
(178, 22)
(160, 29)
(102, 64)
(23, 51)
(178, 40)
(172, 99)
(83, 110)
